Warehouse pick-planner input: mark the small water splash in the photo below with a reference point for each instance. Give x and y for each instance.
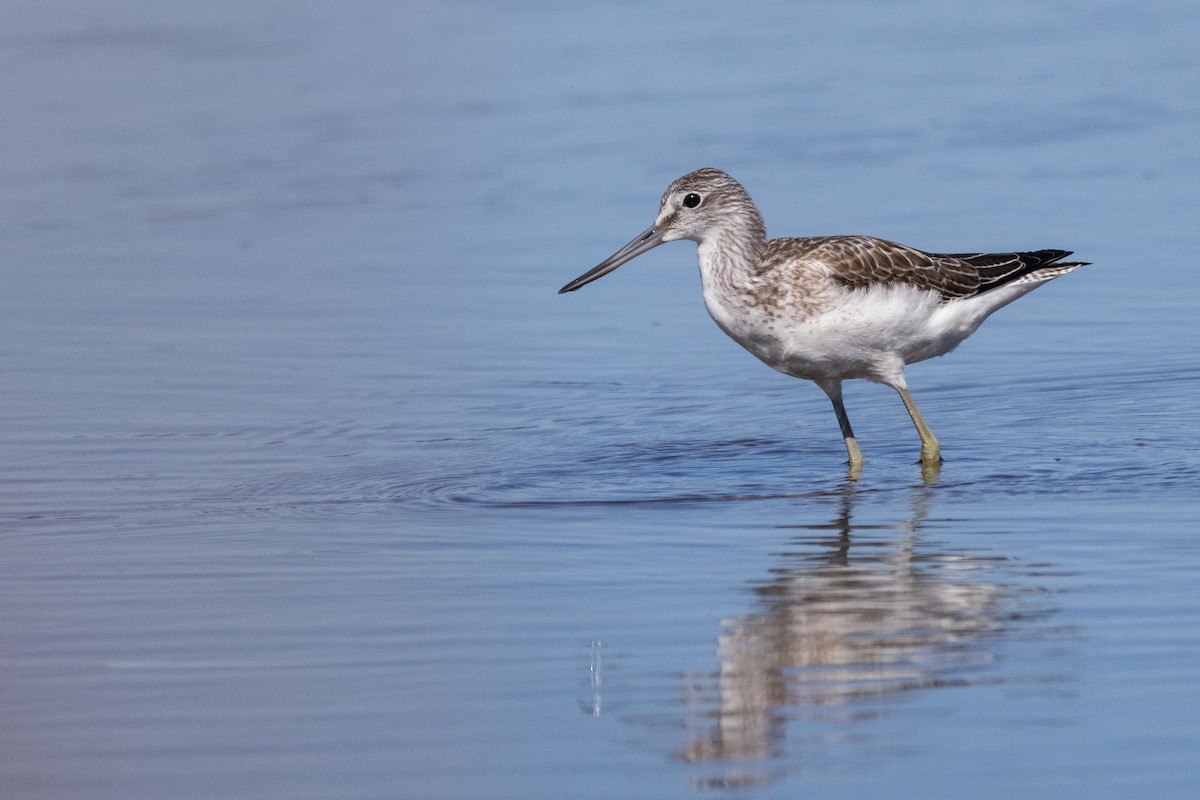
(595, 664)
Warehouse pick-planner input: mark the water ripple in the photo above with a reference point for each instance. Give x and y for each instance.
(687, 471)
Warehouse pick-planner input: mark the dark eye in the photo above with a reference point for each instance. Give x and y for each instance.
(691, 200)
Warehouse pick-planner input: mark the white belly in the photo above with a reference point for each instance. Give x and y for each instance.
(868, 334)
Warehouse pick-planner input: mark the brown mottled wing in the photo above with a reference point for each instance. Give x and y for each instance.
(863, 261)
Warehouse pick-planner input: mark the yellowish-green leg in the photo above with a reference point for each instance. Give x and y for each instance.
(931, 451)
(834, 390)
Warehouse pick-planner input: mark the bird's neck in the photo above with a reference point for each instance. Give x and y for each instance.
(731, 256)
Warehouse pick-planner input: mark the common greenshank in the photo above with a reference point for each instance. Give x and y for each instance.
(832, 308)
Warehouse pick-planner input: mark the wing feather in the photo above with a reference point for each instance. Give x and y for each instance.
(863, 261)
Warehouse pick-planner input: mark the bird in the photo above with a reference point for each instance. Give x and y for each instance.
(832, 308)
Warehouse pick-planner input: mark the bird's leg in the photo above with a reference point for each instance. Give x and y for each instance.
(834, 390)
(931, 452)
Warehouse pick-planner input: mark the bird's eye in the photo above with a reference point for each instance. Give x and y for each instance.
(691, 200)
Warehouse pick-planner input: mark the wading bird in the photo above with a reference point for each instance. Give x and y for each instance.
(832, 308)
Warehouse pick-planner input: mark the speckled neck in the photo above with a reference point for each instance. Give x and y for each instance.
(731, 256)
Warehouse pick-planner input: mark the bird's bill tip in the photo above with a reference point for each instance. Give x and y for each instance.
(646, 240)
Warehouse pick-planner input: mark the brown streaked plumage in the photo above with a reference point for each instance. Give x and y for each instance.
(833, 308)
(861, 261)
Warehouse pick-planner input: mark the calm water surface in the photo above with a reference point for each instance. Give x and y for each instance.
(312, 487)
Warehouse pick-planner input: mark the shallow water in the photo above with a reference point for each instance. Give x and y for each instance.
(314, 488)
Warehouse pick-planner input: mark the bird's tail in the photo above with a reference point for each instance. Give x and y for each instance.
(1001, 269)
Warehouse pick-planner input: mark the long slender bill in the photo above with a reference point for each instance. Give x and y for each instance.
(646, 240)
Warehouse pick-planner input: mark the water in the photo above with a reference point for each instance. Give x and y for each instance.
(313, 487)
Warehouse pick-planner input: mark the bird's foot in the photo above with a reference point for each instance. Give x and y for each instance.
(931, 466)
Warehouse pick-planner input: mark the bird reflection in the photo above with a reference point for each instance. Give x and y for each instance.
(853, 617)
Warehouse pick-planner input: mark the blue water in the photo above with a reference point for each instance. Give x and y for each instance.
(313, 487)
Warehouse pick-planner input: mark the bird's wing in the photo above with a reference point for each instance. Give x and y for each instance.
(860, 262)
(864, 261)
